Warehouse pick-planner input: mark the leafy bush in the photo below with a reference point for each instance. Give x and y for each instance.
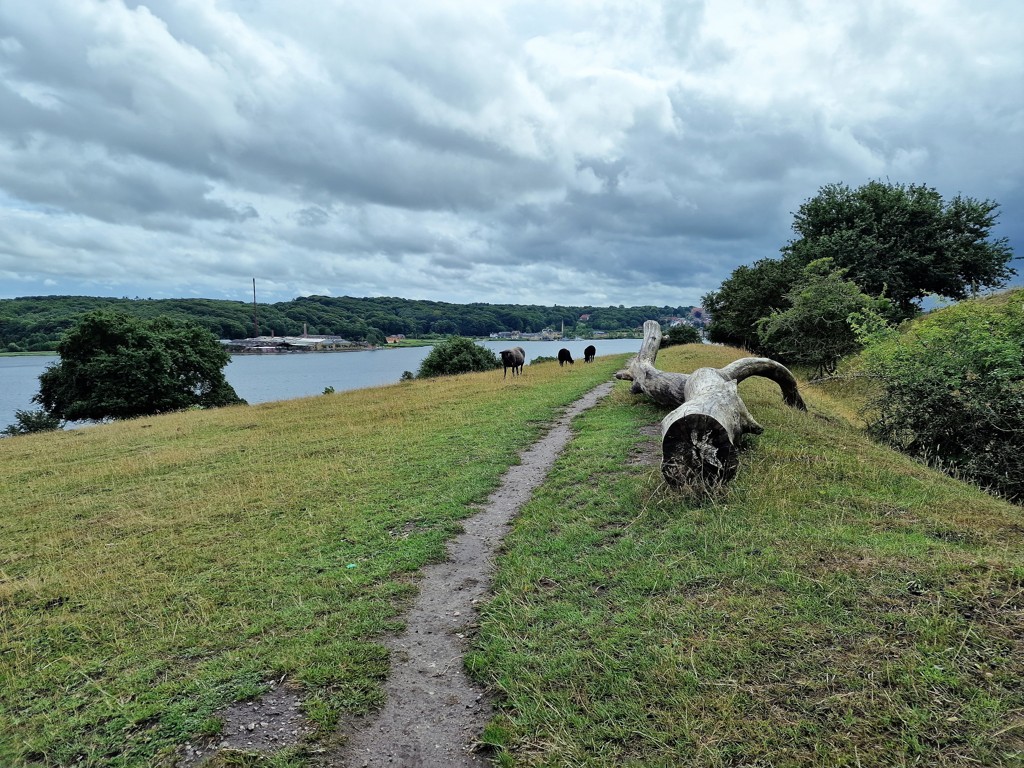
(952, 391)
(457, 355)
(750, 293)
(27, 422)
(816, 329)
(684, 333)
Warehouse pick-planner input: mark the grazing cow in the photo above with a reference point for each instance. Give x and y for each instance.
(564, 357)
(588, 354)
(514, 359)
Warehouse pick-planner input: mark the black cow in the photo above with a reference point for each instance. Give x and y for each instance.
(514, 359)
(564, 357)
(588, 354)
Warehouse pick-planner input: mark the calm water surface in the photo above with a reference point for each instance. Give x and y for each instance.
(262, 378)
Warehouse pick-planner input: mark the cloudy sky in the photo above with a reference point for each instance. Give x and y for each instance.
(572, 152)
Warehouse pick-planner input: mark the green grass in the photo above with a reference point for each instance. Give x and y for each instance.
(152, 571)
(836, 605)
(412, 343)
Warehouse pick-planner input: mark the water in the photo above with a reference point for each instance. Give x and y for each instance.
(19, 380)
(262, 378)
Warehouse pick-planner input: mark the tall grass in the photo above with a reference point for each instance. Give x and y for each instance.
(152, 571)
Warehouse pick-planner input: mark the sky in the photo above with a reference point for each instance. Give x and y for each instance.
(584, 152)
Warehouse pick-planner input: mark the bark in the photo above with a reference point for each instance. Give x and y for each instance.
(700, 436)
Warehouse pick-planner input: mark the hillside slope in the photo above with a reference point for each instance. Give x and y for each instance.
(36, 322)
(838, 604)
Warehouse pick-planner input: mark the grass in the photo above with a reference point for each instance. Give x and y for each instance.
(152, 571)
(836, 605)
(412, 343)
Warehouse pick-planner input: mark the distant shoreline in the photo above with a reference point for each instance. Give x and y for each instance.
(355, 348)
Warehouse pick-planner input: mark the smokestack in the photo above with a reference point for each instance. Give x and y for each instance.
(255, 319)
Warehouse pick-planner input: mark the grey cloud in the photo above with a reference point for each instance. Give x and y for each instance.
(313, 216)
(124, 190)
(638, 152)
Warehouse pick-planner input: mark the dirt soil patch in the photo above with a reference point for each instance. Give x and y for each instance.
(263, 725)
(647, 453)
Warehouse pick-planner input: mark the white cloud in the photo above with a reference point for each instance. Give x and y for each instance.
(606, 152)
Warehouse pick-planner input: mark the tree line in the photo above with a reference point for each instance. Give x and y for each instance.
(36, 323)
(871, 252)
(845, 296)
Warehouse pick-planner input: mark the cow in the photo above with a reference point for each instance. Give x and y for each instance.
(588, 354)
(564, 357)
(514, 359)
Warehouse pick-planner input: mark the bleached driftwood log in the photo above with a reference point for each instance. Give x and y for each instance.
(700, 437)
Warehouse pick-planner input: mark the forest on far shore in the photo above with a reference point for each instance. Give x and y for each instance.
(36, 323)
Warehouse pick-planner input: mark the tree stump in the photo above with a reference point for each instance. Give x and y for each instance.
(700, 436)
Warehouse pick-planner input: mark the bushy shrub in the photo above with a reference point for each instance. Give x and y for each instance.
(457, 355)
(815, 330)
(28, 422)
(684, 333)
(952, 391)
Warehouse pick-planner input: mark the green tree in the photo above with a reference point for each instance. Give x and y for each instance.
(748, 295)
(115, 366)
(376, 336)
(684, 333)
(457, 355)
(903, 240)
(444, 326)
(816, 330)
(952, 391)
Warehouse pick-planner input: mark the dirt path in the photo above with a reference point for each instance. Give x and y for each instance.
(434, 714)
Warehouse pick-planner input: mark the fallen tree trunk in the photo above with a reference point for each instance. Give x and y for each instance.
(700, 436)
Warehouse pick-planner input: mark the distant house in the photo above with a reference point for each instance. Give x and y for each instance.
(584, 318)
(395, 339)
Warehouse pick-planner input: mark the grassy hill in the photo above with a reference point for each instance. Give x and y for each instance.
(839, 604)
